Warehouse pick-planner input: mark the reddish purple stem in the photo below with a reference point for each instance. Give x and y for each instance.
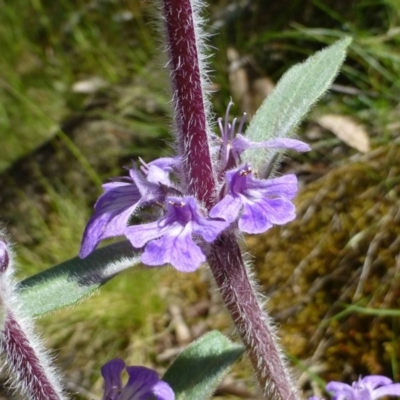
(230, 273)
(24, 362)
(190, 114)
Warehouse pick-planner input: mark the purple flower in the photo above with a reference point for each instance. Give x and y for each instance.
(234, 144)
(241, 143)
(158, 171)
(143, 383)
(371, 387)
(171, 239)
(228, 132)
(120, 200)
(169, 164)
(259, 203)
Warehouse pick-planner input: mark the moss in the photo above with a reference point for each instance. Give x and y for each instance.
(340, 250)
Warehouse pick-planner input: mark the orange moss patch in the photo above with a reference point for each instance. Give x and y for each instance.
(340, 250)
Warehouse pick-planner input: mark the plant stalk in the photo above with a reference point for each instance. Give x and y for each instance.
(251, 321)
(225, 258)
(23, 354)
(189, 100)
(24, 362)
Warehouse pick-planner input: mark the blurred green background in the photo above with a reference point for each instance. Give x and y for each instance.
(83, 92)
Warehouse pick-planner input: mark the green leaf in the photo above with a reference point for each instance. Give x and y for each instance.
(71, 281)
(198, 370)
(296, 92)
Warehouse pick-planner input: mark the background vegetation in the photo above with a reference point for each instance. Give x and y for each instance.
(82, 93)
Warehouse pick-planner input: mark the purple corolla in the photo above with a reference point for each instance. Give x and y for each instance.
(372, 387)
(240, 143)
(172, 239)
(143, 383)
(116, 205)
(233, 143)
(259, 203)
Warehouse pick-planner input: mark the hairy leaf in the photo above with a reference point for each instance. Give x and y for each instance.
(198, 370)
(73, 280)
(298, 89)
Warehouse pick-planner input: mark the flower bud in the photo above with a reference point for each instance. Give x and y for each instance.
(4, 256)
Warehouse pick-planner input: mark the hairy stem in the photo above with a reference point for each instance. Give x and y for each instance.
(190, 108)
(251, 322)
(225, 258)
(24, 362)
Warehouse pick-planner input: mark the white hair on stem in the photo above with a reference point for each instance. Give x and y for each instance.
(24, 356)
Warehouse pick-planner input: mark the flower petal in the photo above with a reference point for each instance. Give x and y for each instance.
(177, 249)
(373, 381)
(139, 235)
(149, 190)
(144, 384)
(167, 163)
(228, 208)
(111, 372)
(254, 218)
(388, 390)
(259, 216)
(209, 229)
(285, 143)
(241, 143)
(341, 391)
(158, 176)
(140, 383)
(162, 391)
(280, 211)
(112, 212)
(284, 186)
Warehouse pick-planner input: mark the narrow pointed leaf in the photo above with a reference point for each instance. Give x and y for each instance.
(73, 280)
(198, 370)
(296, 92)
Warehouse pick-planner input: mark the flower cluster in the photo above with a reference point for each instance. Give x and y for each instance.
(372, 387)
(180, 227)
(143, 383)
